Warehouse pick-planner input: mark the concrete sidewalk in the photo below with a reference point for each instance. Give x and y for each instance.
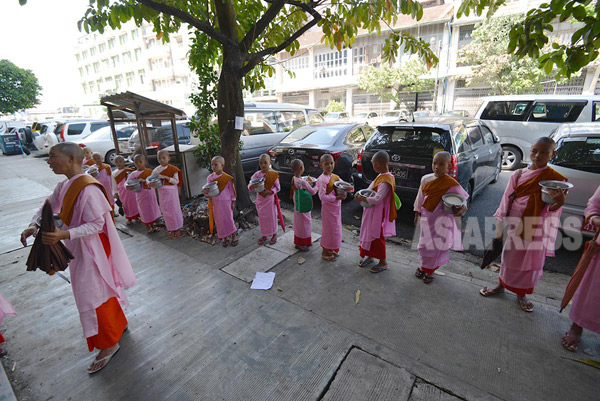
(197, 331)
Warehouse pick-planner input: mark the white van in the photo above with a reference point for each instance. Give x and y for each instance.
(520, 119)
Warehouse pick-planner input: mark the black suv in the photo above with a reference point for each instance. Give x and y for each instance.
(476, 153)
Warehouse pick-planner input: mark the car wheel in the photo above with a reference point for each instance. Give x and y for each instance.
(498, 170)
(511, 158)
(110, 157)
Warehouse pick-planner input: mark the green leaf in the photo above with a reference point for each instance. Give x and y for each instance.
(579, 12)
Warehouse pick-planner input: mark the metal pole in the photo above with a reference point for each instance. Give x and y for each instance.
(136, 110)
(114, 131)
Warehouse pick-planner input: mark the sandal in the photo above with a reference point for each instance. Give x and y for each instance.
(106, 358)
(329, 258)
(303, 249)
(3, 352)
(526, 306)
(262, 240)
(419, 273)
(225, 242)
(488, 293)
(366, 262)
(569, 342)
(428, 278)
(234, 242)
(273, 240)
(377, 269)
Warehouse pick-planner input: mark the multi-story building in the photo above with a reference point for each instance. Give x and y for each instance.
(134, 59)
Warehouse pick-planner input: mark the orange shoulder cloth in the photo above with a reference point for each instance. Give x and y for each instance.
(333, 180)
(145, 174)
(270, 179)
(222, 181)
(68, 203)
(532, 188)
(388, 179)
(89, 162)
(170, 171)
(122, 175)
(435, 189)
(106, 167)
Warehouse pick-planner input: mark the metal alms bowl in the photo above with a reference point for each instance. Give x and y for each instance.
(213, 188)
(453, 203)
(341, 187)
(93, 171)
(554, 185)
(133, 185)
(311, 180)
(367, 193)
(260, 182)
(154, 182)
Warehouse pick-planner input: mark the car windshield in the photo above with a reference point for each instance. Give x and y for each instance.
(578, 153)
(332, 115)
(392, 114)
(312, 135)
(361, 115)
(422, 142)
(101, 134)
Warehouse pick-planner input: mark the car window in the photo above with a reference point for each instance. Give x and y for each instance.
(368, 131)
(289, 120)
(356, 136)
(44, 129)
(97, 126)
(558, 112)
(312, 135)
(314, 117)
(578, 153)
(371, 115)
(461, 139)
(58, 128)
(487, 134)
(475, 137)
(75, 129)
(506, 110)
(596, 112)
(421, 142)
(259, 122)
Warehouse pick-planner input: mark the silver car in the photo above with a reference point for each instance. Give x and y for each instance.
(578, 159)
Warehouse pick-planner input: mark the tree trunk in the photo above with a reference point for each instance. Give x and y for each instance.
(230, 101)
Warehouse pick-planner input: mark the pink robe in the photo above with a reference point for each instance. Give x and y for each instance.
(6, 308)
(585, 309)
(146, 201)
(107, 182)
(266, 208)
(168, 197)
(331, 215)
(94, 277)
(439, 232)
(522, 261)
(127, 198)
(222, 212)
(302, 225)
(376, 219)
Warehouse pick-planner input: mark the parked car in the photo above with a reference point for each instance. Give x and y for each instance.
(456, 113)
(160, 137)
(69, 130)
(309, 143)
(337, 117)
(475, 150)
(393, 116)
(521, 119)
(578, 159)
(423, 113)
(371, 119)
(101, 141)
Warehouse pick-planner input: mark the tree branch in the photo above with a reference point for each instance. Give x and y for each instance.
(260, 25)
(185, 17)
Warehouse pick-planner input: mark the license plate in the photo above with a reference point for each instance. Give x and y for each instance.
(588, 227)
(400, 172)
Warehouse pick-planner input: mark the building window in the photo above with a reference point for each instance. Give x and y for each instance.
(109, 82)
(84, 86)
(102, 47)
(296, 63)
(115, 61)
(91, 86)
(111, 43)
(359, 55)
(99, 84)
(138, 53)
(106, 64)
(179, 41)
(123, 38)
(118, 81)
(465, 35)
(127, 57)
(84, 54)
(81, 71)
(129, 77)
(92, 51)
(135, 34)
(150, 43)
(332, 64)
(142, 75)
(87, 69)
(77, 57)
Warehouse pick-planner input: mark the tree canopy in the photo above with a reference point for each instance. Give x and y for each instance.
(19, 88)
(404, 78)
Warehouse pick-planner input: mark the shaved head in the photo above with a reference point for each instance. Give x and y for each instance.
(139, 156)
(545, 140)
(218, 159)
(325, 157)
(381, 157)
(70, 149)
(265, 156)
(443, 155)
(162, 152)
(296, 165)
(119, 157)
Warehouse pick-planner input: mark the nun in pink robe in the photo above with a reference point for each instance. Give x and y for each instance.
(439, 232)
(95, 278)
(168, 197)
(523, 261)
(146, 201)
(302, 225)
(127, 198)
(376, 219)
(331, 216)
(585, 307)
(266, 207)
(106, 180)
(6, 309)
(222, 212)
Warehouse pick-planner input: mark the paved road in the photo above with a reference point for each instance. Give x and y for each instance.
(484, 204)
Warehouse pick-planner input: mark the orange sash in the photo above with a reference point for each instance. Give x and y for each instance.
(89, 162)
(68, 203)
(435, 189)
(104, 166)
(333, 180)
(535, 204)
(145, 174)
(222, 181)
(388, 179)
(170, 171)
(122, 175)
(270, 179)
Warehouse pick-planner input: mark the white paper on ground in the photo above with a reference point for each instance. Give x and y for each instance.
(263, 281)
(239, 123)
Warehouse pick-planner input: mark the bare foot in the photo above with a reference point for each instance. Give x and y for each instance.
(525, 304)
(103, 358)
(487, 292)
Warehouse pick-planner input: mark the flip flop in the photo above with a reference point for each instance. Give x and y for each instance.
(572, 343)
(419, 273)
(262, 240)
(428, 278)
(225, 242)
(366, 262)
(488, 293)
(526, 306)
(377, 269)
(273, 241)
(106, 358)
(234, 242)
(329, 258)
